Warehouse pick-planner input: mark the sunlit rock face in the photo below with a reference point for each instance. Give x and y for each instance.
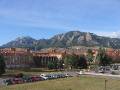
(72, 38)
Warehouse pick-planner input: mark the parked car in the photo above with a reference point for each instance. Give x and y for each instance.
(67, 75)
(104, 69)
(36, 78)
(20, 78)
(62, 75)
(27, 78)
(8, 81)
(17, 81)
(51, 76)
(44, 77)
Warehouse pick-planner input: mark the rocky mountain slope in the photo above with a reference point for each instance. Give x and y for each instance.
(72, 38)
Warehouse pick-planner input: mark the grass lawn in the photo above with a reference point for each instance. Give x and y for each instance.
(74, 83)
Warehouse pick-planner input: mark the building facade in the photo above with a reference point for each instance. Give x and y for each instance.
(23, 58)
(17, 57)
(42, 59)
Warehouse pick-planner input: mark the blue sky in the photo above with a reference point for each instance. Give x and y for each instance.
(45, 18)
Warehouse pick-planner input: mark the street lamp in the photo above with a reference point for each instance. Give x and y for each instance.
(106, 84)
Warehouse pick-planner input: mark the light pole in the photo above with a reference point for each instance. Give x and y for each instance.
(63, 66)
(106, 84)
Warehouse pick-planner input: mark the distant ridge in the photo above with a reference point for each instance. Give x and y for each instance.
(72, 38)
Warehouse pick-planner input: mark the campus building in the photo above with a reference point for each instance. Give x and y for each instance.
(114, 54)
(17, 57)
(22, 58)
(42, 59)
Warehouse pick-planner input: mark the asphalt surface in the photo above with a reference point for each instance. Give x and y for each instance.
(109, 76)
(1, 82)
(74, 74)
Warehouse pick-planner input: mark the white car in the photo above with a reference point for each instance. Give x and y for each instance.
(44, 76)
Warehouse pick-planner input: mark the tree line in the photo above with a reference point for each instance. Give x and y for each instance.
(83, 61)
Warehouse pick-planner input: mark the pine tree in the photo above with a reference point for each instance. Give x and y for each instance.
(2, 65)
(103, 58)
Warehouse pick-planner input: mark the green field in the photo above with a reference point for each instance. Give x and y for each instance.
(75, 83)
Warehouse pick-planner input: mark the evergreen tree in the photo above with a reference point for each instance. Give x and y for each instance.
(71, 61)
(2, 65)
(82, 62)
(53, 65)
(60, 64)
(90, 56)
(75, 61)
(103, 58)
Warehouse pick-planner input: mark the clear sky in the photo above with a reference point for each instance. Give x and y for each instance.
(45, 18)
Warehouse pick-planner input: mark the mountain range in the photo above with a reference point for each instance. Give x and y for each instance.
(72, 38)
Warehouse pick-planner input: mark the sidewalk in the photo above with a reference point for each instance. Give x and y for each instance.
(100, 74)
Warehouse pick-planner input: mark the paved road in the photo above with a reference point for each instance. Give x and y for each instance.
(108, 76)
(100, 74)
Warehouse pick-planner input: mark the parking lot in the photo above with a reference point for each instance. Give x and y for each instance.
(21, 78)
(1, 81)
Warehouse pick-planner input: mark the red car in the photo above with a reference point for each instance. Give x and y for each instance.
(36, 78)
(17, 81)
